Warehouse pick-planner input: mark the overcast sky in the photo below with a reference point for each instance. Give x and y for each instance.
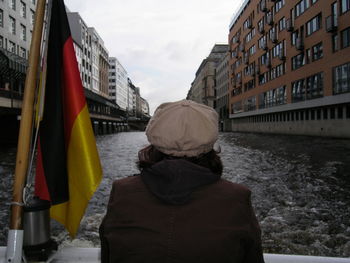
(160, 43)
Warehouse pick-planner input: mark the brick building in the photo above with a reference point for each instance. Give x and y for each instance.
(289, 67)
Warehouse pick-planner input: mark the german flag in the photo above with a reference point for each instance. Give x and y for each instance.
(68, 166)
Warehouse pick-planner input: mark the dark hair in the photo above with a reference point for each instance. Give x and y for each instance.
(149, 156)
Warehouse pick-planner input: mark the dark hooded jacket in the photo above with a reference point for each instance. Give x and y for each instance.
(177, 211)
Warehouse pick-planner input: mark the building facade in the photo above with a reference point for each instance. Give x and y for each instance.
(92, 55)
(83, 48)
(16, 26)
(203, 87)
(144, 108)
(118, 83)
(222, 88)
(289, 67)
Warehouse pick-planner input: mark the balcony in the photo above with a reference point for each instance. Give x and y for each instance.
(289, 25)
(331, 24)
(263, 6)
(274, 37)
(299, 44)
(261, 29)
(269, 20)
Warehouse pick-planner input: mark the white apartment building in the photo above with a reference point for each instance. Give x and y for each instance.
(118, 84)
(91, 55)
(82, 46)
(16, 26)
(94, 59)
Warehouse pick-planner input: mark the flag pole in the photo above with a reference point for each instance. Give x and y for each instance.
(15, 238)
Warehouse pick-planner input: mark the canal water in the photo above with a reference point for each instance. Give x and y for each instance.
(300, 185)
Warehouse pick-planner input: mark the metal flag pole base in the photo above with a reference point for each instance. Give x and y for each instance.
(14, 246)
(37, 244)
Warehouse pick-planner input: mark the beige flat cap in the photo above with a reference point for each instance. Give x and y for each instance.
(183, 128)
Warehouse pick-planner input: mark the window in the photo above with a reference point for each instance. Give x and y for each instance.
(249, 85)
(247, 24)
(282, 24)
(12, 25)
(11, 47)
(32, 16)
(294, 37)
(1, 18)
(313, 25)
(314, 86)
(277, 50)
(298, 91)
(33, 2)
(12, 4)
(335, 42)
(22, 52)
(1, 42)
(23, 33)
(317, 52)
(237, 107)
(340, 112)
(301, 7)
(298, 61)
(252, 50)
(345, 5)
(308, 55)
(263, 78)
(262, 41)
(341, 79)
(249, 104)
(23, 10)
(279, 4)
(345, 37)
(277, 71)
(264, 58)
(313, 1)
(250, 35)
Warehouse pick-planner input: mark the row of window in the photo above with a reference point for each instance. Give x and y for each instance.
(303, 89)
(310, 54)
(312, 26)
(12, 26)
(272, 74)
(273, 97)
(323, 113)
(12, 47)
(308, 88)
(23, 13)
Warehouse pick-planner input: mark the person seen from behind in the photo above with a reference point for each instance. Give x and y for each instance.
(179, 209)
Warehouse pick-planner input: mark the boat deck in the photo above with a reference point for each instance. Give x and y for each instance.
(87, 255)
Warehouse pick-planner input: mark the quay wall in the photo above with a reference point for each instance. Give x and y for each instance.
(326, 121)
(331, 128)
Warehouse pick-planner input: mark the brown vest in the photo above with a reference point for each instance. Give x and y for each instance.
(217, 225)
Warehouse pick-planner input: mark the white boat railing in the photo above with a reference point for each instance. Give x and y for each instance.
(77, 255)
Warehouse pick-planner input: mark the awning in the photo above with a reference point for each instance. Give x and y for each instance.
(11, 65)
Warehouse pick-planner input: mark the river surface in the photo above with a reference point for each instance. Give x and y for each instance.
(300, 185)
